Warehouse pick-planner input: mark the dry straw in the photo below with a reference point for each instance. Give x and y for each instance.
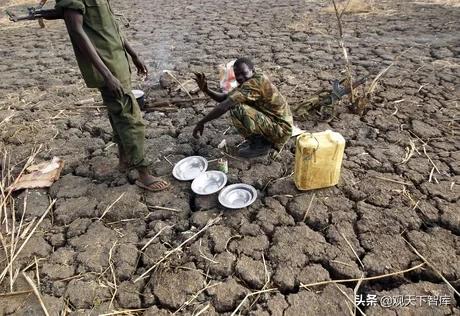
(10, 263)
(351, 300)
(377, 277)
(342, 45)
(169, 253)
(248, 296)
(110, 206)
(36, 292)
(432, 267)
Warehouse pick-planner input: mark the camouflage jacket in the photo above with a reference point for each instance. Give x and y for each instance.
(260, 93)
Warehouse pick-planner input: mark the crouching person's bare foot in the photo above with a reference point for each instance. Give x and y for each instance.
(149, 182)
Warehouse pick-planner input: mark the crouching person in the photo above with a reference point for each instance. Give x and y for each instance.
(257, 109)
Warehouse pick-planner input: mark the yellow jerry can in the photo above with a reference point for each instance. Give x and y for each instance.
(318, 160)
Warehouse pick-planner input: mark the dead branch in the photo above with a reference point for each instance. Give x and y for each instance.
(344, 49)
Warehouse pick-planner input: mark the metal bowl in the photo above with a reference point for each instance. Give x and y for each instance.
(140, 97)
(209, 182)
(189, 168)
(237, 196)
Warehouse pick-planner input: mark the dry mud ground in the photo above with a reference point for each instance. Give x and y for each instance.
(409, 134)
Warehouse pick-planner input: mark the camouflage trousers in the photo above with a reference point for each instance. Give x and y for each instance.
(128, 127)
(249, 121)
(321, 102)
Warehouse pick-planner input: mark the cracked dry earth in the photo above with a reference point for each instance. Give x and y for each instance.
(409, 134)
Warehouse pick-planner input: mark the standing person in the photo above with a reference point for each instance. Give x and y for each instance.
(102, 56)
(258, 110)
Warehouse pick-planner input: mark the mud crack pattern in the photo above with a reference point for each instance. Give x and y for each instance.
(409, 134)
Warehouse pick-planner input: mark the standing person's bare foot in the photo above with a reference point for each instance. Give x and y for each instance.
(149, 182)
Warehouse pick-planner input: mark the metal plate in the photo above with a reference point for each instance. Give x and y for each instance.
(209, 182)
(189, 168)
(237, 196)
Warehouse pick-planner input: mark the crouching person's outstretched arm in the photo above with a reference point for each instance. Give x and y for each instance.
(217, 112)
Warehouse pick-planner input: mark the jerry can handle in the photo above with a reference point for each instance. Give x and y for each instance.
(314, 151)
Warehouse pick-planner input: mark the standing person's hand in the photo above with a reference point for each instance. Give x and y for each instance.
(114, 85)
(201, 81)
(141, 67)
(198, 130)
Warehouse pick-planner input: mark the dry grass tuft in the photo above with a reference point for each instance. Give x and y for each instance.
(452, 3)
(352, 7)
(6, 4)
(304, 24)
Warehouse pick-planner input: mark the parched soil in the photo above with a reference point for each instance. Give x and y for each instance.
(400, 176)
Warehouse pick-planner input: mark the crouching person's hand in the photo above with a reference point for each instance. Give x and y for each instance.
(198, 130)
(201, 81)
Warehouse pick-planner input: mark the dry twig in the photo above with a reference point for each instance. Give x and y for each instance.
(205, 257)
(431, 266)
(391, 180)
(374, 82)
(355, 290)
(409, 152)
(432, 162)
(15, 293)
(114, 278)
(352, 301)
(308, 208)
(179, 83)
(169, 253)
(156, 207)
(267, 280)
(110, 206)
(203, 310)
(377, 277)
(124, 312)
(36, 292)
(344, 49)
(351, 247)
(195, 296)
(248, 296)
(2, 275)
(155, 236)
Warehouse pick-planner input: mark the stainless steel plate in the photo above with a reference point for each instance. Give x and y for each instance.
(237, 196)
(189, 168)
(209, 182)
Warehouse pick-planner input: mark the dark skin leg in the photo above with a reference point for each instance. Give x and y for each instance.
(74, 23)
(144, 175)
(153, 182)
(122, 159)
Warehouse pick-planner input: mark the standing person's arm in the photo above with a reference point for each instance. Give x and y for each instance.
(74, 22)
(138, 62)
